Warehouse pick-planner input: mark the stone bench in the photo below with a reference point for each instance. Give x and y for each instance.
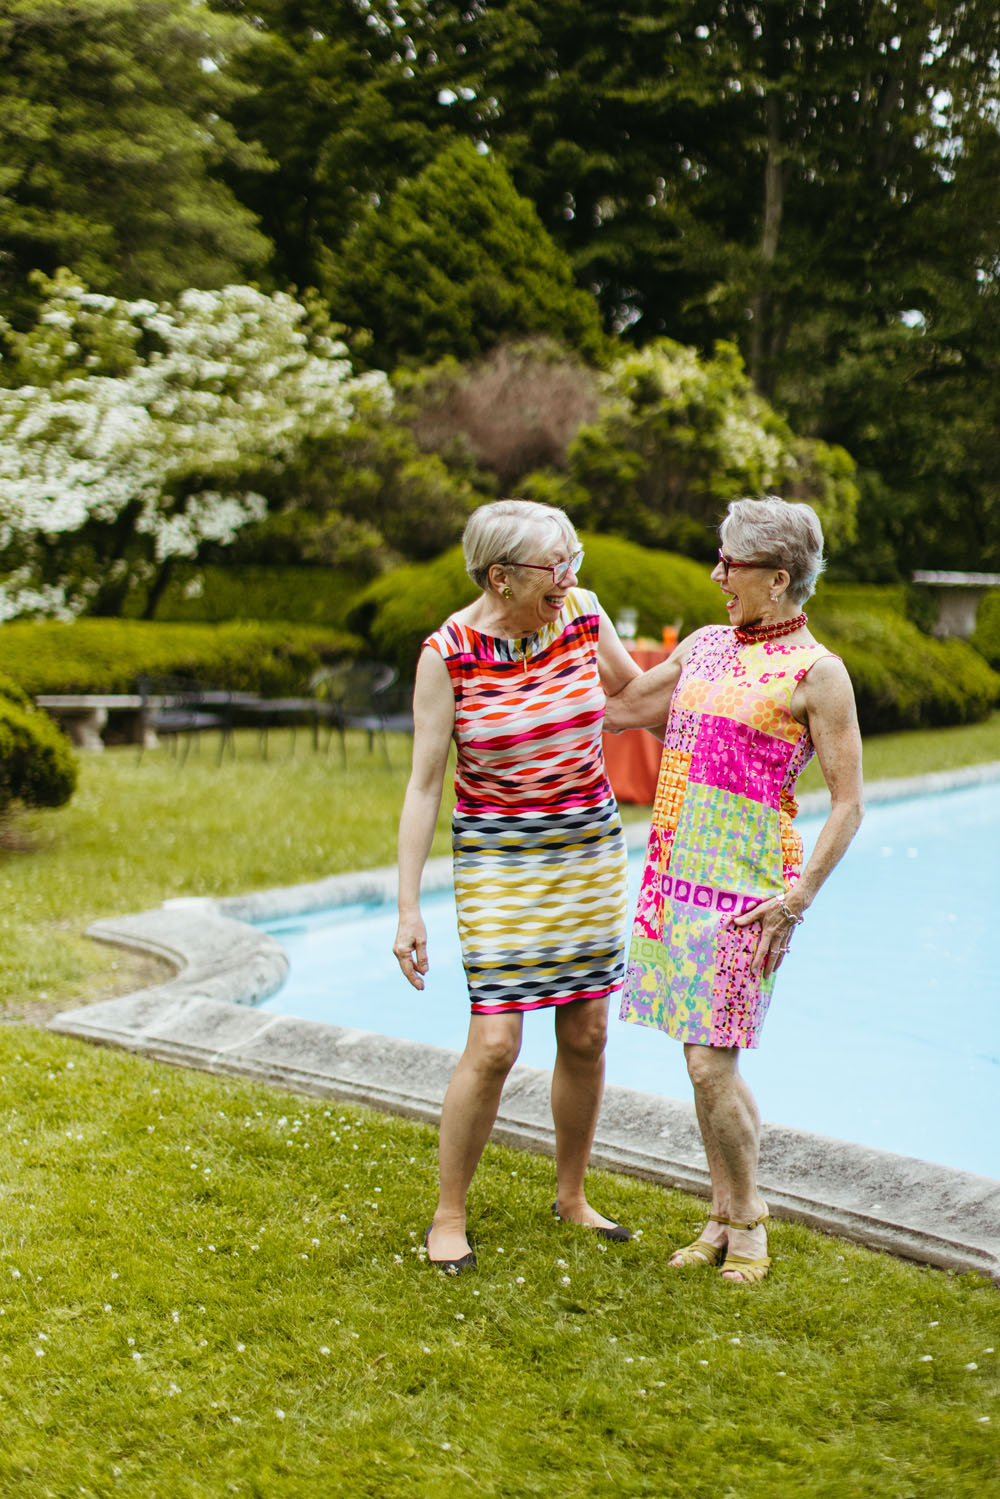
(85, 716)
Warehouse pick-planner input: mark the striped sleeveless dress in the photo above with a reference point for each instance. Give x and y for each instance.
(539, 853)
(721, 840)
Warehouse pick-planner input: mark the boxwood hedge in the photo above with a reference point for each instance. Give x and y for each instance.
(37, 766)
(986, 638)
(902, 678)
(210, 592)
(109, 655)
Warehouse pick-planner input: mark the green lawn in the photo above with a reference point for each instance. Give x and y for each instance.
(211, 1288)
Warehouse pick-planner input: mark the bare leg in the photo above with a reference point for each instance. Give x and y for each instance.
(467, 1116)
(577, 1090)
(730, 1130)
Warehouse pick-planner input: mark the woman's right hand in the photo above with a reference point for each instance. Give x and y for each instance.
(410, 949)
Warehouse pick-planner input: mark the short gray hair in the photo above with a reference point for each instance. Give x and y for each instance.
(508, 531)
(775, 533)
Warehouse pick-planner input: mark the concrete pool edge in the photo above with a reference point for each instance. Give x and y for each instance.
(203, 1018)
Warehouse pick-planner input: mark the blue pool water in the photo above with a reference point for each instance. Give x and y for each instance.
(885, 1025)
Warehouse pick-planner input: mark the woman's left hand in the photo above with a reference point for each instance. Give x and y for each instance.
(775, 935)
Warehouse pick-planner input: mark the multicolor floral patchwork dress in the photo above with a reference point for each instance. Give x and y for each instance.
(722, 839)
(539, 853)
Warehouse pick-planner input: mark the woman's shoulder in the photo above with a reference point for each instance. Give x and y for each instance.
(449, 639)
(705, 637)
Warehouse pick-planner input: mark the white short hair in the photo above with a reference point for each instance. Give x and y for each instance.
(777, 534)
(509, 531)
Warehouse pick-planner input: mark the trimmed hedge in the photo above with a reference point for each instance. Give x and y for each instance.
(215, 592)
(986, 637)
(109, 655)
(902, 678)
(37, 766)
(399, 610)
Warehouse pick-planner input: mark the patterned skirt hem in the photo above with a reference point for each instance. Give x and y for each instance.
(548, 1003)
(743, 1040)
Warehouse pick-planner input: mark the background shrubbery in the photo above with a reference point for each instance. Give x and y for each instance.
(216, 592)
(37, 766)
(108, 655)
(987, 633)
(902, 678)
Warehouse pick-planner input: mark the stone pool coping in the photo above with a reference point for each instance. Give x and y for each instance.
(204, 1017)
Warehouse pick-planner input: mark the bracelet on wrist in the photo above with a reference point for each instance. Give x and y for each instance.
(790, 916)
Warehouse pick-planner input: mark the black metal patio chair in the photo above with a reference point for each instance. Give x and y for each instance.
(366, 695)
(180, 710)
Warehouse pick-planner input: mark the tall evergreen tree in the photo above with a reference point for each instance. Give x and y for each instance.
(453, 263)
(111, 140)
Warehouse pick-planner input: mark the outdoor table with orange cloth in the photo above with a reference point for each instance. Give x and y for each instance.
(633, 758)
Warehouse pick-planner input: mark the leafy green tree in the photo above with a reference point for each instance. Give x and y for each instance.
(362, 498)
(112, 138)
(345, 97)
(812, 179)
(455, 262)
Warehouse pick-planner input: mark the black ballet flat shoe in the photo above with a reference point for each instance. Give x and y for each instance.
(616, 1234)
(450, 1267)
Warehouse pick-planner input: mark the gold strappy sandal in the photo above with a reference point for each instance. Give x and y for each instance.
(748, 1269)
(701, 1252)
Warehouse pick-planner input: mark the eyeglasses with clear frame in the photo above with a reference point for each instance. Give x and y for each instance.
(727, 563)
(560, 570)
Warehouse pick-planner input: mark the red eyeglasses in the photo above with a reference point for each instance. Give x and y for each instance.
(727, 563)
(560, 570)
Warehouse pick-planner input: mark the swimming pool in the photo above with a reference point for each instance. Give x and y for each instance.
(885, 1027)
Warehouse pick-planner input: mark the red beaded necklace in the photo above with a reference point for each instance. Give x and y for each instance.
(752, 633)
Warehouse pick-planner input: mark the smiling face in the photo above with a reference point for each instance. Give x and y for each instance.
(746, 589)
(750, 587)
(536, 598)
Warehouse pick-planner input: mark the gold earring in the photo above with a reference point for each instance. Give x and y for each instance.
(506, 593)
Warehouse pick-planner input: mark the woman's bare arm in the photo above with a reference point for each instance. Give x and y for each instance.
(433, 725)
(644, 701)
(824, 700)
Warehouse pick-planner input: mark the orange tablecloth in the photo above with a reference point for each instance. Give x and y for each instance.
(633, 758)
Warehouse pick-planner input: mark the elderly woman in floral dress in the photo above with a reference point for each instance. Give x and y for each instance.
(724, 888)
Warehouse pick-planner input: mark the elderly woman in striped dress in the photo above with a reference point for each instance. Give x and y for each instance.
(518, 680)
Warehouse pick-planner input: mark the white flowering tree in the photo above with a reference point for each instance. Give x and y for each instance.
(132, 432)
